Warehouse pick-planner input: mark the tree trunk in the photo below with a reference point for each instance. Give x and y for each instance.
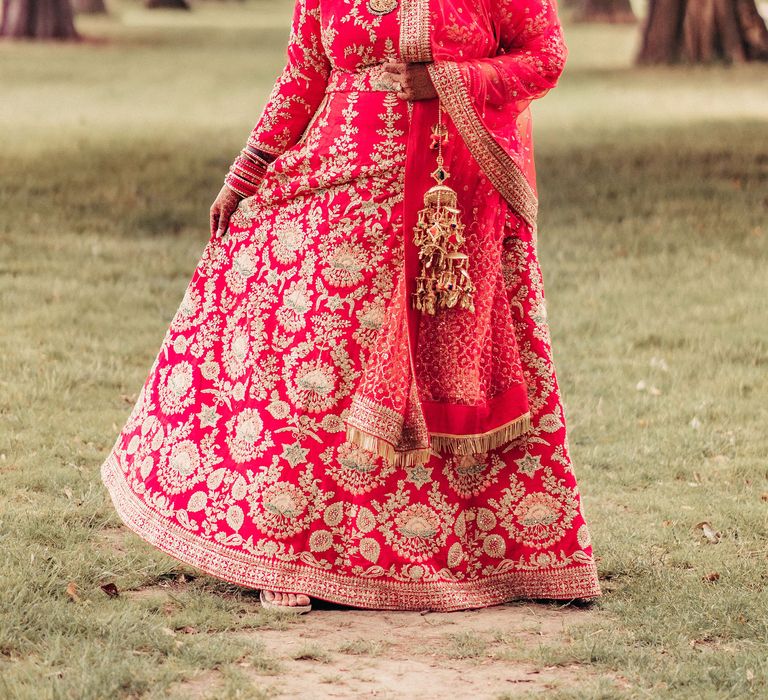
(90, 7)
(613, 11)
(702, 31)
(37, 19)
(167, 4)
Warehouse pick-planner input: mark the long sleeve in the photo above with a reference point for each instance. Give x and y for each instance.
(531, 56)
(299, 89)
(487, 96)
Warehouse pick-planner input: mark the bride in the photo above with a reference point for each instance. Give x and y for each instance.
(356, 400)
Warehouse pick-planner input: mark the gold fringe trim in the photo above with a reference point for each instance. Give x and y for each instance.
(441, 442)
(377, 445)
(481, 442)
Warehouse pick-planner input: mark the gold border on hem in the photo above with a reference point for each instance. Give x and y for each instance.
(243, 569)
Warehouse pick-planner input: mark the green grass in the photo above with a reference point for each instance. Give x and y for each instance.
(467, 645)
(362, 647)
(653, 241)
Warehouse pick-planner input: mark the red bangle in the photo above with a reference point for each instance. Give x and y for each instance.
(247, 169)
(240, 186)
(246, 173)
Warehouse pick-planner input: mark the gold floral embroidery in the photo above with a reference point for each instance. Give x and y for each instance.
(356, 469)
(415, 45)
(538, 519)
(278, 321)
(469, 475)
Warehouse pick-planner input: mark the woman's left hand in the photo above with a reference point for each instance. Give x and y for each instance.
(413, 79)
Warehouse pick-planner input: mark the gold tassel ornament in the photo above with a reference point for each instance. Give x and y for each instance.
(443, 280)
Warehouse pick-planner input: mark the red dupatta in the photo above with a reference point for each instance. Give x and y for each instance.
(453, 382)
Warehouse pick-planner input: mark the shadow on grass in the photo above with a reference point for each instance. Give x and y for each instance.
(707, 178)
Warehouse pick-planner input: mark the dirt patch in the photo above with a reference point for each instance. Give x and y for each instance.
(113, 539)
(201, 685)
(341, 653)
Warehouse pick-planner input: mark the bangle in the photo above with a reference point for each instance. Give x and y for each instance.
(254, 157)
(248, 170)
(240, 186)
(257, 154)
(246, 173)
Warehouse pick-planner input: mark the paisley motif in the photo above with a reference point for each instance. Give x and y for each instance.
(235, 457)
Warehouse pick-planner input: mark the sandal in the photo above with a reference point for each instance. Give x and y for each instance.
(295, 609)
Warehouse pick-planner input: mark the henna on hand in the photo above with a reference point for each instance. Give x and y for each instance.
(222, 209)
(413, 80)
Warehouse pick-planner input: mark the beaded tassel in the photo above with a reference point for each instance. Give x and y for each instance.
(443, 280)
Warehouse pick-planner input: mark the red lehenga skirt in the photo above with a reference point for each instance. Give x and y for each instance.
(234, 458)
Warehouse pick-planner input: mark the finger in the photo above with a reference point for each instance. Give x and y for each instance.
(214, 220)
(394, 79)
(396, 68)
(226, 214)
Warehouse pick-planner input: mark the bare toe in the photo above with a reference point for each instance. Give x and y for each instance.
(287, 599)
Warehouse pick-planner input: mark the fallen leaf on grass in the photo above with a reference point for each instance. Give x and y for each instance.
(711, 576)
(110, 589)
(764, 496)
(72, 592)
(711, 535)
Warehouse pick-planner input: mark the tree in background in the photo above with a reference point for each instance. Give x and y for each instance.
(90, 7)
(613, 11)
(37, 19)
(701, 31)
(167, 4)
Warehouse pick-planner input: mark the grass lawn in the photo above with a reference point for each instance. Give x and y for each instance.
(653, 239)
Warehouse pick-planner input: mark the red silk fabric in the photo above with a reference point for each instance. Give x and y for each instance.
(237, 457)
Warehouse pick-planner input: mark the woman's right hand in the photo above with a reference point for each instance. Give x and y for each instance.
(224, 206)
